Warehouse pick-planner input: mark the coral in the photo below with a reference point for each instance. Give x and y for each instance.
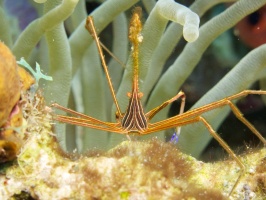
(132, 170)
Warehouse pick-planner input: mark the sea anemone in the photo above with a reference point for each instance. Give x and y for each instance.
(58, 41)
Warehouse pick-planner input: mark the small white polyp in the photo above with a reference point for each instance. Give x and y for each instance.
(180, 14)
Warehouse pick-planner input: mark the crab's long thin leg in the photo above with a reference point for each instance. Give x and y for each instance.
(195, 119)
(198, 118)
(75, 113)
(193, 116)
(239, 115)
(178, 128)
(227, 148)
(181, 111)
(100, 125)
(180, 119)
(154, 111)
(83, 120)
(91, 28)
